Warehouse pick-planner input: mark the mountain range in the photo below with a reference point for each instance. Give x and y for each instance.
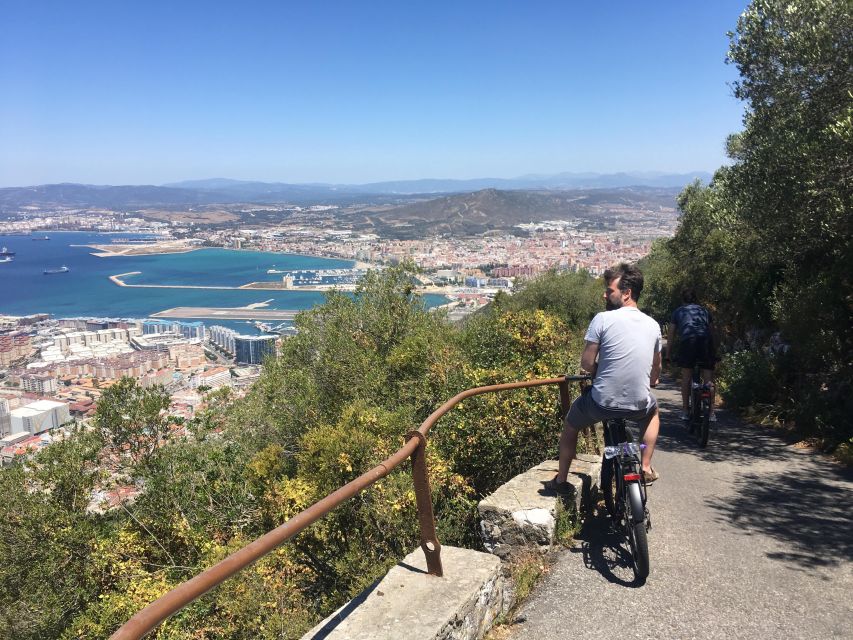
(225, 191)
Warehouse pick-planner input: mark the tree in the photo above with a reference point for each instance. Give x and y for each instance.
(769, 242)
(133, 419)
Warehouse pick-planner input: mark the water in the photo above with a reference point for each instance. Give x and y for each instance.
(87, 291)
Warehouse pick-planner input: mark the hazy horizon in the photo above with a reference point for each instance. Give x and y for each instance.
(526, 176)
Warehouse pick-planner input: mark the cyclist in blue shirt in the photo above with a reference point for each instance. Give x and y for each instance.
(694, 326)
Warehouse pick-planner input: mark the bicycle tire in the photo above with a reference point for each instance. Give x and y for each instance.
(608, 486)
(705, 426)
(638, 540)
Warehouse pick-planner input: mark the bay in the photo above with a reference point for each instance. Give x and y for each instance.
(86, 291)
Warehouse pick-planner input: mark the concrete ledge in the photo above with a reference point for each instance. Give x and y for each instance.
(522, 514)
(409, 603)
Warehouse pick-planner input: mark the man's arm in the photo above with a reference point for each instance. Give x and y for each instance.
(590, 353)
(654, 376)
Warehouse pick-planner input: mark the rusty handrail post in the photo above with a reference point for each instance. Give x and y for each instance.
(423, 495)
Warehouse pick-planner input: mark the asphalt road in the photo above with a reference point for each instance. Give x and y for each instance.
(751, 538)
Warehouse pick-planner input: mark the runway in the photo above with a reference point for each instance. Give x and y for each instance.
(226, 313)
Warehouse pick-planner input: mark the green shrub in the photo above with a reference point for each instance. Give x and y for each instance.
(747, 378)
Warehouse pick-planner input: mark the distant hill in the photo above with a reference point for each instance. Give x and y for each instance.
(85, 195)
(226, 191)
(253, 189)
(493, 209)
(540, 182)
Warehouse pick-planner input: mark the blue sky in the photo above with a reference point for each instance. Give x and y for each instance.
(150, 92)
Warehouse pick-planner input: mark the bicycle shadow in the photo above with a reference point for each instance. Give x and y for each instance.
(606, 550)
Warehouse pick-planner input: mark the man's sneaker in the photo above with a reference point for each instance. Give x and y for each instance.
(712, 417)
(684, 416)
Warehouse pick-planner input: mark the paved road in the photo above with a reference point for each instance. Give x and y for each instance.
(751, 538)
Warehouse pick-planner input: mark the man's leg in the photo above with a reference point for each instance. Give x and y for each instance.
(708, 377)
(568, 450)
(649, 436)
(686, 380)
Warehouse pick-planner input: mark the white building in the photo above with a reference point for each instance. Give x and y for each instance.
(5, 418)
(39, 416)
(213, 378)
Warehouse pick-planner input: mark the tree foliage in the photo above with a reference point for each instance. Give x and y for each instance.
(364, 370)
(133, 419)
(768, 242)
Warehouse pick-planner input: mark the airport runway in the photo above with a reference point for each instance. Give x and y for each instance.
(226, 313)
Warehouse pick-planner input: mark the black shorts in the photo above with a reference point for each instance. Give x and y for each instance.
(693, 351)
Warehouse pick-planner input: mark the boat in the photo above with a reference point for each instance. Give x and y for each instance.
(5, 259)
(34, 238)
(62, 269)
(276, 271)
(6, 252)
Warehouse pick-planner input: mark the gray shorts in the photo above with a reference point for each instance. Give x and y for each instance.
(585, 412)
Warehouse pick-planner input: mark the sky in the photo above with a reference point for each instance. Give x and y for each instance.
(120, 92)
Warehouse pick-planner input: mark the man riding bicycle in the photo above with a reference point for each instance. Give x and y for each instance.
(627, 344)
(694, 326)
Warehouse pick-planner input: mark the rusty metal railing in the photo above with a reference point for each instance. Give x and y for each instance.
(415, 448)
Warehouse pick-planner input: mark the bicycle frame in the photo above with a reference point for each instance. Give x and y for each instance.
(626, 467)
(627, 504)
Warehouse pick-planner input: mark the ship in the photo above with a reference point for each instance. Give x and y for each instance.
(34, 238)
(276, 271)
(5, 259)
(62, 269)
(6, 252)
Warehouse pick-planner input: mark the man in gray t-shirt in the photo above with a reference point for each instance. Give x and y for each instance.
(627, 346)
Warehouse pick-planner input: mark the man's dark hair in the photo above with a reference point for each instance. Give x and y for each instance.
(631, 278)
(688, 295)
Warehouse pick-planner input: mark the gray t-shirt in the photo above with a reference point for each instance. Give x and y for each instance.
(627, 341)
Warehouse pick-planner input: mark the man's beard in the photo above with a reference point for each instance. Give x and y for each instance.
(610, 306)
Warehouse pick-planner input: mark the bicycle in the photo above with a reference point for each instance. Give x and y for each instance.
(625, 492)
(699, 408)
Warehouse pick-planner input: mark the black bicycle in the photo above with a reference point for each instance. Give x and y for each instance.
(625, 492)
(699, 408)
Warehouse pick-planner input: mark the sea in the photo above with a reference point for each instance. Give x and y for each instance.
(86, 290)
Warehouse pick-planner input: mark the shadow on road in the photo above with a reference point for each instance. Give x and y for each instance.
(808, 513)
(606, 551)
(730, 439)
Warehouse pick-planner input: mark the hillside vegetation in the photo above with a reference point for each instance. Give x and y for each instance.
(362, 372)
(768, 242)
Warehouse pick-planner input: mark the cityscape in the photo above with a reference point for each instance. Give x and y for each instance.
(54, 369)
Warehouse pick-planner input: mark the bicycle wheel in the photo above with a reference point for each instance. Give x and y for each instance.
(636, 529)
(693, 413)
(608, 486)
(705, 425)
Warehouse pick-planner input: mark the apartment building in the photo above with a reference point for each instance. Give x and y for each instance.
(40, 416)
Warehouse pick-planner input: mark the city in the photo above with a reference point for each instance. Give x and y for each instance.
(53, 370)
